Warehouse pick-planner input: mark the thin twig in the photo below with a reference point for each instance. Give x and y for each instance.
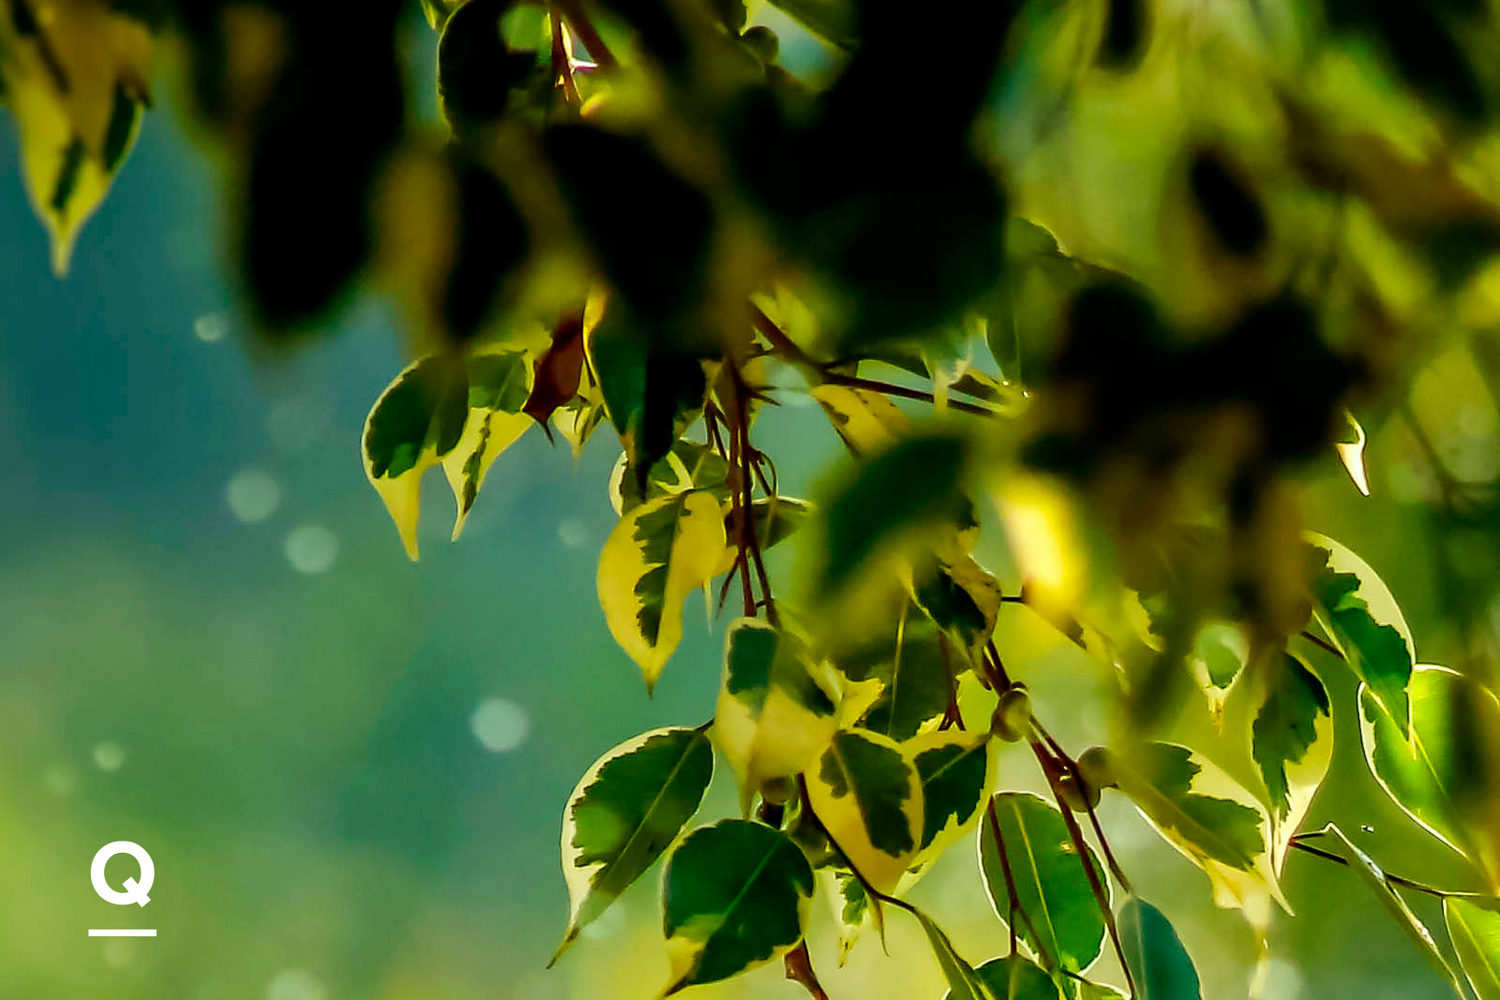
(1072, 766)
(1101, 898)
(905, 392)
(1412, 884)
(1322, 644)
(1010, 889)
(562, 63)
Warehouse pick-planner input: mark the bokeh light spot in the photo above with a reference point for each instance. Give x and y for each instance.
(499, 724)
(253, 495)
(311, 549)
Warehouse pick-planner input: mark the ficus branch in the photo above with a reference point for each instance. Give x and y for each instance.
(1075, 833)
(572, 11)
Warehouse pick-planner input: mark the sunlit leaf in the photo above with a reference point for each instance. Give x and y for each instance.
(1359, 613)
(1213, 821)
(627, 809)
(689, 465)
(869, 797)
(1373, 876)
(777, 705)
(961, 597)
(957, 771)
(866, 421)
(831, 20)
(1352, 454)
(660, 552)
(1474, 927)
(1059, 917)
(499, 385)
(1158, 962)
(735, 896)
(77, 79)
(1441, 772)
(1292, 743)
(420, 418)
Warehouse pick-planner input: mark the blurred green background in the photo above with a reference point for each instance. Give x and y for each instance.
(350, 769)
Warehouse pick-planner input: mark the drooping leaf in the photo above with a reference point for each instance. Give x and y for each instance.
(870, 799)
(77, 81)
(1062, 922)
(735, 896)
(1016, 977)
(627, 809)
(961, 597)
(1352, 454)
(1442, 772)
(659, 552)
(777, 705)
(418, 419)
(1474, 927)
(964, 981)
(560, 368)
(499, 385)
(850, 905)
(689, 465)
(1098, 991)
(1291, 741)
(1358, 612)
(652, 391)
(1213, 821)
(1374, 876)
(956, 770)
(910, 488)
(1158, 961)
(866, 421)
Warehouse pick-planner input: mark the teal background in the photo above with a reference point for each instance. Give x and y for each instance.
(298, 752)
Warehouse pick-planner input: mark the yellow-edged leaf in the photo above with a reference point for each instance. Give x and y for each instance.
(660, 551)
(869, 797)
(76, 78)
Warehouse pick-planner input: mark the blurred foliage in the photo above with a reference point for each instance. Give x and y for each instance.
(1133, 268)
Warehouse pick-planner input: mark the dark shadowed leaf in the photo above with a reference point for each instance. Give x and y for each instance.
(735, 896)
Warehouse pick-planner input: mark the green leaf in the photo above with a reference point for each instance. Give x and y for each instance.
(629, 806)
(964, 981)
(687, 466)
(1052, 888)
(499, 385)
(418, 419)
(956, 770)
(437, 11)
(777, 706)
(1374, 876)
(1158, 962)
(1291, 742)
(1213, 821)
(914, 682)
(1098, 991)
(1016, 977)
(659, 552)
(961, 597)
(866, 421)
(652, 391)
(1358, 612)
(1442, 772)
(1474, 927)
(870, 799)
(735, 896)
(912, 487)
(77, 83)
